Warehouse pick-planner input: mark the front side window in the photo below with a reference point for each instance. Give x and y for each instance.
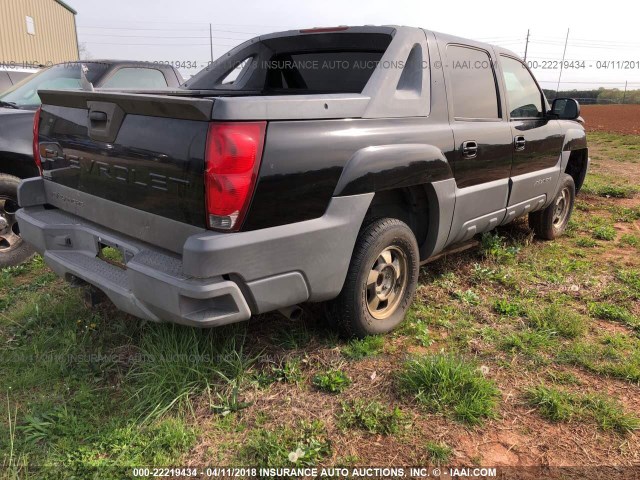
(136, 78)
(473, 83)
(524, 99)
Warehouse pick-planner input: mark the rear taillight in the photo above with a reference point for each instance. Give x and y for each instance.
(36, 146)
(233, 158)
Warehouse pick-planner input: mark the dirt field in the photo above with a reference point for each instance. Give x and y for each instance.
(612, 118)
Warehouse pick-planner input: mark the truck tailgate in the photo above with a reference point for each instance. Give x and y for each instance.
(141, 151)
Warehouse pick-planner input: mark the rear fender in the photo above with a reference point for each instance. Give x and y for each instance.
(385, 167)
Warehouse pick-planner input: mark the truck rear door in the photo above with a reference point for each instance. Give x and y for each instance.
(483, 151)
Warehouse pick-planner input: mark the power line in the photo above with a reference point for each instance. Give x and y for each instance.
(583, 45)
(160, 36)
(164, 44)
(589, 41)
(190, 23)
(170, 29)
(562, 63)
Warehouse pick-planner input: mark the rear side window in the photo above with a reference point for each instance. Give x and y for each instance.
(237, 71)
(473, 83)
(131, 77)
(523, 96)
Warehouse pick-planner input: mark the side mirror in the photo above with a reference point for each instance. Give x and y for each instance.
(566, 108)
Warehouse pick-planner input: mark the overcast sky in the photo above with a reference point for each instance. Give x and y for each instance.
(162, 30)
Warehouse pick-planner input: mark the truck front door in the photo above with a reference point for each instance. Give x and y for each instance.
(537, 139)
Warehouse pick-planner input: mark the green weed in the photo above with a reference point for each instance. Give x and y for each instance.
(449, 385)
(367, 347)
(561, 406)
(304, 446)
(332, 381)
(438, 453)
(370, 416)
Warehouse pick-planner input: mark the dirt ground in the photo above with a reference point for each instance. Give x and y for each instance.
(612, 118)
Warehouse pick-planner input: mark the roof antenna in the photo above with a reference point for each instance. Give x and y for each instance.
(84, 83)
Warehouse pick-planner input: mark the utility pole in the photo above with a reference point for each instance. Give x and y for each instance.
(526, 47)
(211, 42)
(562, 63)
(624, 95)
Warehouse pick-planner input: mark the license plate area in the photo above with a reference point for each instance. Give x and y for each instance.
(113, 254)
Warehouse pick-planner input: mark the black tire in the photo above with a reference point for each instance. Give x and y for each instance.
(13, 250)
(551, 222)
(396, 280)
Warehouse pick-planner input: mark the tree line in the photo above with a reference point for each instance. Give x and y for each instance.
(601, 95)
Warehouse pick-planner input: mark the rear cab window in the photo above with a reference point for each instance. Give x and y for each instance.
(133, 77)
(322, 72)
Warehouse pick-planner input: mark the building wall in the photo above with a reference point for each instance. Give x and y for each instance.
(55, 38)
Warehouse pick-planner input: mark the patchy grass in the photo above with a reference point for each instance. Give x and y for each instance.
(179, 363)
(372, 417)
(508, 308)
(415, 325)
(494, 246)
(367, 347)
(451, 386)
(289, 371)
(562, 406)
(563, 378)
(303, 446)
(615, 313)
(609, 360)
(625, 214)
(555, 319)
(438, 453)
(586, 242)
(608, 186)
(332, 381)
(528, 342)
(604, 232)
(630, 239)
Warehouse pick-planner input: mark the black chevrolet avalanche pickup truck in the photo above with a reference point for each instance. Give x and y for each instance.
(18, 106)
(320, 165)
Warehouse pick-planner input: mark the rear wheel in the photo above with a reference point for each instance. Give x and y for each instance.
(13, 250)
(551, 222)
(381, 280)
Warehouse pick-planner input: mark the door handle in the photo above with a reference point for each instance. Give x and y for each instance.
(470, 149)
(519, 143)
(97, 116)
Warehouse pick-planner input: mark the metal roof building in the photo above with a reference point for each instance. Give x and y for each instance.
(37, 32)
